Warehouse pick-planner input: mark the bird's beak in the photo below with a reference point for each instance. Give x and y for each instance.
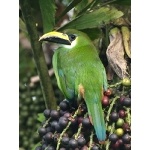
(56, 37)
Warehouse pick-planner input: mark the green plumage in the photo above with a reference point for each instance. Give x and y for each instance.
(79, 64)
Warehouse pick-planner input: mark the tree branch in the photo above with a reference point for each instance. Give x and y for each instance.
(38, 55)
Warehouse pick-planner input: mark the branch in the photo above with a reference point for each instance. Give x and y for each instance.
(38, 55)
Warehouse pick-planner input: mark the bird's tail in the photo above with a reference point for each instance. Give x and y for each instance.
(95, 111)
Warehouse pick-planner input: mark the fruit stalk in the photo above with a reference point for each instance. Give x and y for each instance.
(128, 118)
(110, 108)
(68, 125)
(111, 131)
(91, 140)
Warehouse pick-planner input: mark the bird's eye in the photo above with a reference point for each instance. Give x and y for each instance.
(72, 37)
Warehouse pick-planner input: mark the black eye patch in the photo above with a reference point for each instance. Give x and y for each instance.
(72, 37)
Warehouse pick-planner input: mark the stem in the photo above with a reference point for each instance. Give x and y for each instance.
(116, 84)
(46, 123)
(91, 140)
(69, 123)
(128, 118)
(38, 55)
(79, 129)
(110, 108)
(111, 131)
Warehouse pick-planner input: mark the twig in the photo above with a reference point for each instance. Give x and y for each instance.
(91, 140)
(110, 108)
(116, 84)
(128, 118)
(69, 123)
(111, 131)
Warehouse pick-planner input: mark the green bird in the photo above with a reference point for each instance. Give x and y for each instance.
(80, 73)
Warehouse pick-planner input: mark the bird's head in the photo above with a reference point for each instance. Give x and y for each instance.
(69, 38)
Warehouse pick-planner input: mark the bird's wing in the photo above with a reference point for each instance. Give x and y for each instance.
(65, 83)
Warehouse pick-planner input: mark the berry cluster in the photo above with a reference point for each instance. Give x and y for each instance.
(69, 128)
(31, 102)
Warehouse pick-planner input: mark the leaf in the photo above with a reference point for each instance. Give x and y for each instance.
(40, 117)
(48, 14)
(22, 25)
(93, 33)
(70, 6)
(36, 145)
(94, 19)
(122, 2)
(88, 6)
(115, 53)
(81, 6)
(126, 40)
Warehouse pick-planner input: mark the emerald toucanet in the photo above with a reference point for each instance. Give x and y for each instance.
(80, 73)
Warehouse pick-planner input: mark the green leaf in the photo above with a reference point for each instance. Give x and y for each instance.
(40, 117)
(22, 25)
(122, 2)
(36, 145)
(81, 6)
(48, 14)
(70, 6)
(93, 33)
(94, 19)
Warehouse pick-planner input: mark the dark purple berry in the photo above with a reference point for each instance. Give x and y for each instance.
(54, 114)
(38, 148)
(63, 121)
(126, 127)
(64, 105)
(47, 113)
(50, 148)
(108, 92)
(121, 99)
(126, 102)
(80, 119)
(49, 129)
(120, 141)
(105, 101)
(126, 138)
(114, 116)
(62, 112)
(115, 145)
(67, 115)
(44, 146)
(95, 147)
(62, 148)
(54, 124)
(56, 137)
(127, 146)
(58, 128)
(113, 137)
(84, 147)
(48, 137)
(73, 143)
(86, 122)
(81, 141)
(42, 131)
(65, 140)
(122, 113)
